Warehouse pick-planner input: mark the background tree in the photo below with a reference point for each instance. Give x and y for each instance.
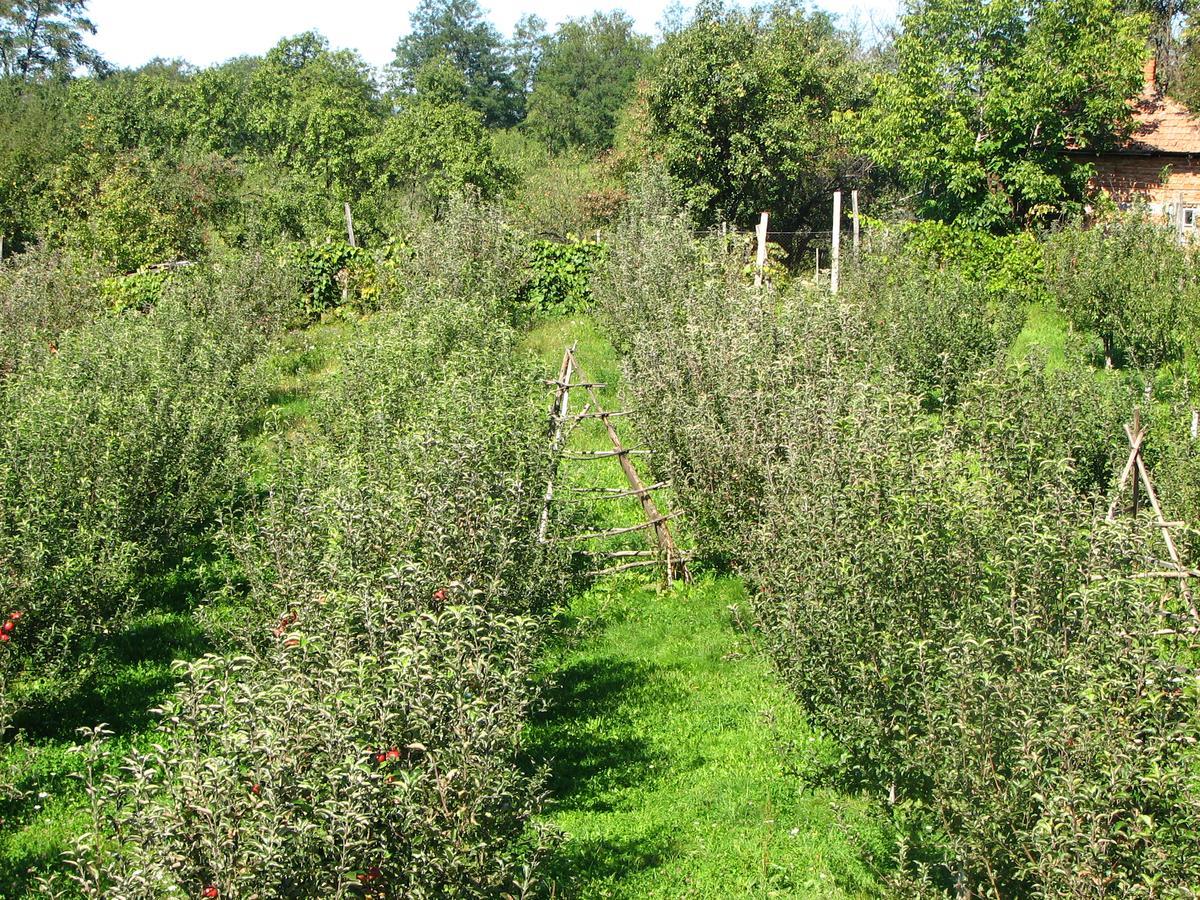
(457, 30)
(585, 78)
(45, 38)
(988, 95)
(745, 109)
(526, 49)
(436, 146)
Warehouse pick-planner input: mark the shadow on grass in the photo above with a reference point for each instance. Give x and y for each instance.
(596, 756)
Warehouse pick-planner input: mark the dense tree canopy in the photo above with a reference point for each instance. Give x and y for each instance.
(585, 77)
(988, 96)
(457, 29)
(746, 110)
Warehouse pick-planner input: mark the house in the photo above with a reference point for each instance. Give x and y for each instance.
(1160, 162)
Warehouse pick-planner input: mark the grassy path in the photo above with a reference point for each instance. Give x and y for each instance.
(673, 748)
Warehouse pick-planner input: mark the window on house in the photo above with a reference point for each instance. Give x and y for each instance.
(1189, 217)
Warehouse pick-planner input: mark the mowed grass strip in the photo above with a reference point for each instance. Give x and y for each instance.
(675, 753)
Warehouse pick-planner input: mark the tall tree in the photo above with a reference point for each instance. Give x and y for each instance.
(526, 49)
(744, 109)
(988, 97)
(585, 78)
(457, 30)
(45, 38)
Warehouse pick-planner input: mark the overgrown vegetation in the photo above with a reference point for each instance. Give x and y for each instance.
(941, 591)
(275, 617)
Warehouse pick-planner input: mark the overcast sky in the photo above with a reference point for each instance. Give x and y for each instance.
(203, 32)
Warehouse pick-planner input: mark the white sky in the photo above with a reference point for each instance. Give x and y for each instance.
(131, 32)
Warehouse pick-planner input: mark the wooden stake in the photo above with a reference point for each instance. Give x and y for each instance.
(350, 227)
(558, 417)
(817, 271)
(854, 214)
(1137, 458)
(1195, 424)
(1179, 216)
(835, 263)
(761, 260)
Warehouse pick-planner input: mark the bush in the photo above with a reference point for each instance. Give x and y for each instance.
(367, 740)
(114, 448)
(939, 324)
(1129, 281)
(561, 274)
(42, 294)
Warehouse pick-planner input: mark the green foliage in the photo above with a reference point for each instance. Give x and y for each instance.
(986, 98)
(45, 39)
(433, 151)
(1033, 721)
(561, 274)
(116, 446)
(584, 78)
(1009, 266)
(1129, 281)
(394, 571)
(333, 274)
(137, 291)
(136, 210)
(42, 294)
(944, 308)
(457, 31)
(745, 110)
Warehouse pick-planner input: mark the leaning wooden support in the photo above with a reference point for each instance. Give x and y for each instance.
(675, 565)
(1141, 481)
(558, 409)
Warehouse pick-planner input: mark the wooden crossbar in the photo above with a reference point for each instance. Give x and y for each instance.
(618, 493)
(604, 454)
(613, 532)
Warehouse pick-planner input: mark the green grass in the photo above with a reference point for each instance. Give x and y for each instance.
(675, 754)
(1045, 333)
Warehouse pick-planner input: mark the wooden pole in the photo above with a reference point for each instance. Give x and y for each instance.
(558, 417)
(1195, 424)
(761, 260)
(817, 270)
(854, 214)
(1137, 430)
(1179, 216)
(835, 262)
(350, 227)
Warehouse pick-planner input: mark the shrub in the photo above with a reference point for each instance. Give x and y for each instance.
(42, 294)
(1129, 281)
(367, 739)
(561, 274)
(470, 252)
(938, 325)
(114, 448)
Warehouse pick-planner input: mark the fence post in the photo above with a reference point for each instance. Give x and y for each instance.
(1195, 424)
(350, 227)
(817, 270)
(761, 259)
(1179, 216)
(835, 262)
(854, 213)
